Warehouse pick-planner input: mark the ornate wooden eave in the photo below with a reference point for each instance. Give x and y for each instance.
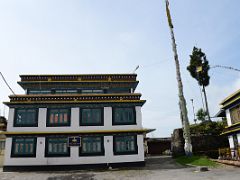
(79, 77)
(74, 97)
(232, 129)
(231, 100)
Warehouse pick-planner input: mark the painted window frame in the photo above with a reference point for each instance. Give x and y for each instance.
(124, 123)
(102, 153)
(35, 124)
(233, 112)
(47, 154)
(115, 152)
(48, 124)
(101, 123)
(13, 154)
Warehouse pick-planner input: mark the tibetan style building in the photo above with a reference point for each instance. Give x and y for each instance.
(230, 108)
(74, 122)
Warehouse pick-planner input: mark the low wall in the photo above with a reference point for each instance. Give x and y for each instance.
(202, 144)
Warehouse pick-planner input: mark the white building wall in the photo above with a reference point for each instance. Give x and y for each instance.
(229, 122)
(40, 158)
(231, 143)
(42, 118)
(74, 158)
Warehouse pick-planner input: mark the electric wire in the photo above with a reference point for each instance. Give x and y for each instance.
(7, 83)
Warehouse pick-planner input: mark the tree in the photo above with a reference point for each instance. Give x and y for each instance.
(201, 115)
(198, 69)
(182, 101)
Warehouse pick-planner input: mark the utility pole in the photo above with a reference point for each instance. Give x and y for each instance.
(182, 101)
(194, 119)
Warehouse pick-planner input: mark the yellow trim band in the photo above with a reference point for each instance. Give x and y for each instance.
(79, 132)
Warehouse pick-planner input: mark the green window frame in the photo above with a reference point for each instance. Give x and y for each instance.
(24, 147)
(125, 144)
(91, 117)
(124, 116)
(26, 117)
(92, 146)
(58, 117)
(57, 147)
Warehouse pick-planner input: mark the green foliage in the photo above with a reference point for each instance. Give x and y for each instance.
(208, 127)
(201, 115)
(198, 59)
(196, 161)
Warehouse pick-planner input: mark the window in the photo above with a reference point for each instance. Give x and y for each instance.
(125, 145)
(39, 91)
(92, 146)
(235, 114)
(57, 147)
(58, 117)
(2, 145)
(124, 116)
(91, 117)
(24, 147)
(26, 118)
(92, 91)
(66, 91)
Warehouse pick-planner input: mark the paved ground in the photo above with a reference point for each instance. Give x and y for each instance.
(157, 168)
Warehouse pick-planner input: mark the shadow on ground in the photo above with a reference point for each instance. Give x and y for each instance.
(73, 177)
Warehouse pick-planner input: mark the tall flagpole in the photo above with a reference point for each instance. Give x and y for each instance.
(182, 101)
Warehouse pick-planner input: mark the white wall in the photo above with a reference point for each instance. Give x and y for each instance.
(231, 143)
(109, 157)
(42, 115)
(229, 122)
(74, 158)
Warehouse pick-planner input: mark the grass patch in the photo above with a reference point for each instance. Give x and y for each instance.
(196, 161)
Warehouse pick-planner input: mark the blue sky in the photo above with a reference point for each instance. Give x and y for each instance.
(114, 36)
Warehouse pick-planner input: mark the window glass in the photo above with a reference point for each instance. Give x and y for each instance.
(123, 116)
(24, 147)
(39, 92)
(57, 146)
(91, 116)
(125, 144)
(59, 117)
(92, 91)
(235, 114)
(25, 117)
(92, 146)
(66, 91)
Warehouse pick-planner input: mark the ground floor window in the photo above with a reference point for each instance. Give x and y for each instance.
(57, 147)
(125, 144)
(24, 147)
(92, 146)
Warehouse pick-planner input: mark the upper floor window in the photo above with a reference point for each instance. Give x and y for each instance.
(235, 114)
(92, 91)
(23, 147)
(124, 116)
(66, 91)
(57, 146)
(91, 117)
(26, 118)
(92, 146)
(58, 117)
(125, 144)
(39, 91)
